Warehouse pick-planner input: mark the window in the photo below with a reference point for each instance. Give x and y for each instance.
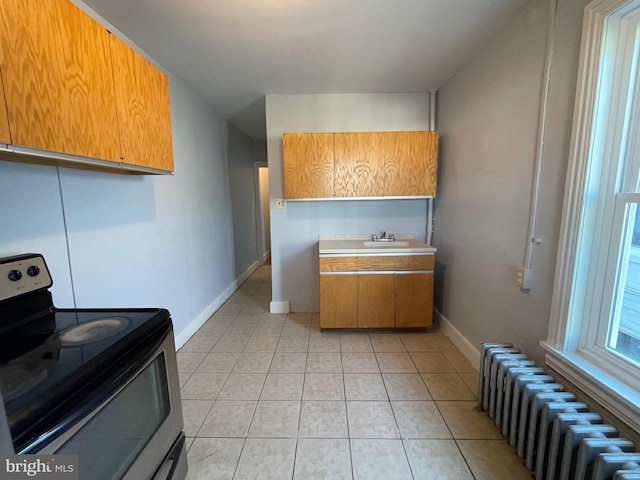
(594, 331)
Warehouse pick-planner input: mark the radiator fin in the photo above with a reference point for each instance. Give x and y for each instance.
(556, 435)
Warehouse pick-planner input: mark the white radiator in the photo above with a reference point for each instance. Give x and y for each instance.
(557, 436)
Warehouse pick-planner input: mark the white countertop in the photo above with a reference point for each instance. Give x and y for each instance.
(354, 244)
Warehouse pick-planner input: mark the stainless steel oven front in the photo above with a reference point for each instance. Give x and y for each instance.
(135, 433)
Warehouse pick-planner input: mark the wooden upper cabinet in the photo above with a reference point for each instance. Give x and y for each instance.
(308, 165)
(5, 134)
(359, 168)
(57, 79)
(410, 160)
(365, 164)
(142, 98)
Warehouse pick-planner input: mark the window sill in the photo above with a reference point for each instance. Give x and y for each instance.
(614, 395)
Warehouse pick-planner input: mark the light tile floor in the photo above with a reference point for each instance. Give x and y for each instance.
(270, 396)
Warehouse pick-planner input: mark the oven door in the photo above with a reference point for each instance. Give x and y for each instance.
(137, 432)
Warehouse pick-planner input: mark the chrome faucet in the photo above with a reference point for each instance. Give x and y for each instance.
(383, 237)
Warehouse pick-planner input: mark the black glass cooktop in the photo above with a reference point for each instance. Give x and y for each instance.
(50, 362)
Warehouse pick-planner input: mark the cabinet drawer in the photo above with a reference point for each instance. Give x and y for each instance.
(338, 264)
(396, 262)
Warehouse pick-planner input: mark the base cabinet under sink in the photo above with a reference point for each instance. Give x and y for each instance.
(372, 291)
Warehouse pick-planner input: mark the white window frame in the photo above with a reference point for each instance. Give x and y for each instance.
(594, 212)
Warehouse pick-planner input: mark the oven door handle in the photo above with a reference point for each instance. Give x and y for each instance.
(172, 460)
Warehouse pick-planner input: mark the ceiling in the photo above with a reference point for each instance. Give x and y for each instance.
(233, 52)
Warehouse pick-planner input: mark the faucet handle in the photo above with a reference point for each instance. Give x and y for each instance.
(374, 237)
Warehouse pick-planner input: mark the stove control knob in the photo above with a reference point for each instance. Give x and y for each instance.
(15, 275)
(33, 271)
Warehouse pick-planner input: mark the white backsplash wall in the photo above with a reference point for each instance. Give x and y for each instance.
(295, 230)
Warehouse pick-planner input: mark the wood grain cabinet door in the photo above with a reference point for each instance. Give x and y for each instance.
(308, 165)
(57, 79)
(338, 301)
(5, 134)
(360, 168)
(376, 300)
(414, 300)
(144, 117)
(411, 162)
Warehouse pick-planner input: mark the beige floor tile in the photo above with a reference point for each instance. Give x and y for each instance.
(447, 386)
(371, 420)
(199, 343)
(417, 419)
(241, 329)
(459, 362)
(288, 363)
(431, 362)
(466, 422)
(253, 309)
(293, 329)
(324, 344)
(364, 386)
(379, 460)
(189, 362)
(493, 459)
(228, 419)
(187, 442)
(203, 386)
(271, 329)
(436, 460)
(357, 342)
(273, 317)
(253, 362)
(299, 317)
(293, 344)
(471, 380)
(183, 378)
(322, 459)
(228, 343)
(218, 362)
(266, 458)
(214, 458)
(419, 342)
(360, 363)
(262, 343)
(275, 419)
(193, 413)
(283, 386)
(323, 419)
(323, 386)
(324, 363)
(405, 386)
(387, 343)
(242, 386)
(395, 363)
(443, 343)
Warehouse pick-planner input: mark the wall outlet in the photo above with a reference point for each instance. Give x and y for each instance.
(281, 203)
(523, 278)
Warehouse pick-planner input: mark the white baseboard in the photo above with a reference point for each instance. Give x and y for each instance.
(279, 307)
(265, 255)
(186, 333)
(465, 346)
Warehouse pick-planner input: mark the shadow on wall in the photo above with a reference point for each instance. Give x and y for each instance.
(96, 200)
(438, 286)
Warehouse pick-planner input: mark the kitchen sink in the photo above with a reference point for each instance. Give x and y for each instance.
(394, 244)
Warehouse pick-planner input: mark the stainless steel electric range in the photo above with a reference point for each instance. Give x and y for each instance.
(102, 384)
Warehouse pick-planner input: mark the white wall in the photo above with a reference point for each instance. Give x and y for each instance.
(487, 118)
(243, 199)
(265, 214)
(295, 230)
(133, 241)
